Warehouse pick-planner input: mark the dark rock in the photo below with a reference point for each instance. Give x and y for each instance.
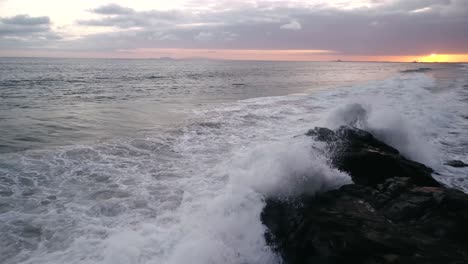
(456, 163)
(369, 161)
(404, 216)
(360, 224)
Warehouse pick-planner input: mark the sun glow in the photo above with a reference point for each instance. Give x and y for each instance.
(434, 57)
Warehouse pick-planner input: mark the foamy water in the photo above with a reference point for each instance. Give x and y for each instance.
(194, 193)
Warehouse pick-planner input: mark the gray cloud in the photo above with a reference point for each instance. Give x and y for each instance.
(204, 36)
(388, 29)
(413, 5)
(112, 9)
(122, 17)
(24, 31)
(25, 20)
(293, 25)
(23, 24)
(397, 27)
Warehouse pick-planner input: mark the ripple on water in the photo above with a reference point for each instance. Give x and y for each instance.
(109, 194)
(107, 209)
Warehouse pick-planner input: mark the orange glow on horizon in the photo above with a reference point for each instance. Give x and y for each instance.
(234, 54)
(444, 58)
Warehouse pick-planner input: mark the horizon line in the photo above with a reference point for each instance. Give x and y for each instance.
(216, 59)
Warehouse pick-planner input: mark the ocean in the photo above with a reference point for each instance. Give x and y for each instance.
(170, 161)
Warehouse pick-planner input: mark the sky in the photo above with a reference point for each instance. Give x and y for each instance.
(369, 30)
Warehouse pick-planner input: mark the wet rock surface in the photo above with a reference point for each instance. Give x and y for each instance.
(368, 160)
(394, 213)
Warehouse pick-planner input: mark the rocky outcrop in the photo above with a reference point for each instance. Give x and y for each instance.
(394, 213)
(368, 160)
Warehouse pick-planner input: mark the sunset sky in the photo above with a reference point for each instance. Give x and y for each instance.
(371, 30)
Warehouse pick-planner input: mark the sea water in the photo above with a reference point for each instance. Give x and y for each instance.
(167, 161)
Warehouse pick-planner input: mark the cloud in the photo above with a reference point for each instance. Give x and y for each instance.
(117, 21)
(112, 9)
(204, 36)
(389, 28)
(23, 25)
(116, 16)
(371, 27)
(229, 36)
(293, 25)
(23, 31)
(170, 37)
(25, 20)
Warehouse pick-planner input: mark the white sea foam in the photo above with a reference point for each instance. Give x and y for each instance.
(195, 195)
(390, 113)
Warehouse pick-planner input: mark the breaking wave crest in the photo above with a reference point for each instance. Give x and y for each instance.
(195, 193)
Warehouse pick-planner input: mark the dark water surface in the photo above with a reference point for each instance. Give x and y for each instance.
(47, 102)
